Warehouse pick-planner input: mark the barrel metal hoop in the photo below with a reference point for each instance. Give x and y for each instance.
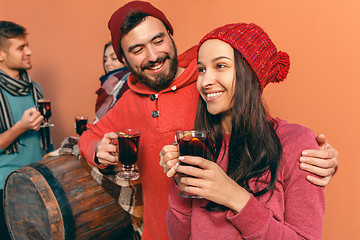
(61, 197)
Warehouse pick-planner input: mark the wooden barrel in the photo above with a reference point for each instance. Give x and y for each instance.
(56, 198)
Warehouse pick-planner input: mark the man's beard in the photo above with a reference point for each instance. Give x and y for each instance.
(162, 80)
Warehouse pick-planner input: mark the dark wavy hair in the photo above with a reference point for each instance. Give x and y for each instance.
(254, 149)
(10, 30)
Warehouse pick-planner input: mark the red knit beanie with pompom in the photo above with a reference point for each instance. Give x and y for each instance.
(257, 48)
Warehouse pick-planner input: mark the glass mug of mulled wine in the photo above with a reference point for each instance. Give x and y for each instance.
(80, 124)
(127, 142)
(192, 143)
(44, 107)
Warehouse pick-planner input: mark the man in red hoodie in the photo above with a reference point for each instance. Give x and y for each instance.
(161, 100)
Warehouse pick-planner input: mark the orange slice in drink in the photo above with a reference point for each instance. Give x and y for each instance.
(187, 136)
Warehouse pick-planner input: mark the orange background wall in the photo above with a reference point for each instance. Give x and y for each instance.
(321, 91)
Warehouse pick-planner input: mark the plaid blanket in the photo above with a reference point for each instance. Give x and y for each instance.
(128, 194)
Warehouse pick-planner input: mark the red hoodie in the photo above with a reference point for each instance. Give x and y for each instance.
(158, 115)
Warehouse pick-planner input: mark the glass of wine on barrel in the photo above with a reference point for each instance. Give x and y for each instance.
(192, 143)
(128, 144)
(44, 107)
(80, 124)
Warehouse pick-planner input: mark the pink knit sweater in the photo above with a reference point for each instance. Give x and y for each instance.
(294, 211)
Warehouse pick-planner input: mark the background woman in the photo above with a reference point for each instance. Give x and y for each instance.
(255, 189)
(113, 83)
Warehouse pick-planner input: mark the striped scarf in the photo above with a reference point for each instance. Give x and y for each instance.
(15, 87)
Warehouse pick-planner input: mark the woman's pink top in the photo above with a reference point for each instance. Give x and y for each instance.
(294, 211)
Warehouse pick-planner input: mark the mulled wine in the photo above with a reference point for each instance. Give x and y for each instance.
(192, 143)
(44, 108)
(80, 123)
(128, 148)
(193, 146)
(128, 145)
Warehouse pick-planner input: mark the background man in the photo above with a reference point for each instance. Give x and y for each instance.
(162, 99)
(19, 120)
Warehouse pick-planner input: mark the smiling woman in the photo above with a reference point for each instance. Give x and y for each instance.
(110, 60)
(250, 185)
(216, 75)
(113, 83)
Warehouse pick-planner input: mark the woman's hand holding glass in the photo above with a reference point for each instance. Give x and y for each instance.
(212, 183)
(169, 155)
(209, 181)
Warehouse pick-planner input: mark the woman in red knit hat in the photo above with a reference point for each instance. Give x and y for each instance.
(252, 187)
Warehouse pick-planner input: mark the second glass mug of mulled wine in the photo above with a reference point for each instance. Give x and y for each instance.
(192, 143)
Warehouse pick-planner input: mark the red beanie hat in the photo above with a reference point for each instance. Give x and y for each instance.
(257, 48)
(117, 19)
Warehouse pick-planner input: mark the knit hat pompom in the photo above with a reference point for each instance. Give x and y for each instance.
(256, 47)
(284, 66)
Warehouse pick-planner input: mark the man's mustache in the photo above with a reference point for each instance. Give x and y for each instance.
(151, 64)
